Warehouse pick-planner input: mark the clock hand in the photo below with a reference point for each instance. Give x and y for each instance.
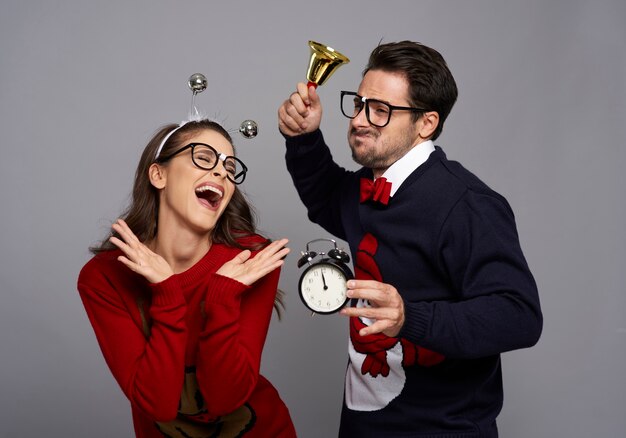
(324, 281)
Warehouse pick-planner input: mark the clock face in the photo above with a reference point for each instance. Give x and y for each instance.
(323, 287)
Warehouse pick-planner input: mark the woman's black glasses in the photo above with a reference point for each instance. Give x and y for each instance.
(206, 157)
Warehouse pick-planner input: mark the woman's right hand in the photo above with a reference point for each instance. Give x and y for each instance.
(247, 270)
(138, 257)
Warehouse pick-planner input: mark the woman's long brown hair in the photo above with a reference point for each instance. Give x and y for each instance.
(237, 221)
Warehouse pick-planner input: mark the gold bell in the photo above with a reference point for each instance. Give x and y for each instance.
(323, 63)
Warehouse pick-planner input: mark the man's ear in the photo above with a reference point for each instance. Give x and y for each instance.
(430, 121)
(157, 175)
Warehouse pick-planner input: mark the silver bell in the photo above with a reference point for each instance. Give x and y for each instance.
(197, 83)
(249, 128)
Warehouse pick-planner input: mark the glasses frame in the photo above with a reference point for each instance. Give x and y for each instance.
(364, 100)
(220, 157)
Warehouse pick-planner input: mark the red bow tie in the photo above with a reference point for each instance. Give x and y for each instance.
(378, 190)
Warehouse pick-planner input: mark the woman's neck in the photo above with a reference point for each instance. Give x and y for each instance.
(181, 249)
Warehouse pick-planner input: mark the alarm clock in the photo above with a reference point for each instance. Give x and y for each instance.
(322, 285)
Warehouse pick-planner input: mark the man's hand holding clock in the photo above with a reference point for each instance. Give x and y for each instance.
(387, 306)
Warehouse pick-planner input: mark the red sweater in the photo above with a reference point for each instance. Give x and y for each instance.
(187, 351)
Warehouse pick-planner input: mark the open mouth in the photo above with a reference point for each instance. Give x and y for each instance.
(209, 196)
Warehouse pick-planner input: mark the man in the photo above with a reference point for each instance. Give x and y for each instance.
(442, 287)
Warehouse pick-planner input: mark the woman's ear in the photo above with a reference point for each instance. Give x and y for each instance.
(430, 121)
(157, 175)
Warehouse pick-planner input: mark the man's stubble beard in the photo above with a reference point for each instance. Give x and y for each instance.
(378, 157)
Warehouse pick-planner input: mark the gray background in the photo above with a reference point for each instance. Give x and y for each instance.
(541, 118)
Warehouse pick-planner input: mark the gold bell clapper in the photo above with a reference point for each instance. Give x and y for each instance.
(323, 63)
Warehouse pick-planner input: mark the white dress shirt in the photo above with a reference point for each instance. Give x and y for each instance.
(401, 169)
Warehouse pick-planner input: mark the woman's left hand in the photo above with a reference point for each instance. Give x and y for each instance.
(138, 257)
(247, 270)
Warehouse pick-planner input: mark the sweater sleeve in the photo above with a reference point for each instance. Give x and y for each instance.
(149, 369)
(318, 179)
(232, 340)
(497, 304)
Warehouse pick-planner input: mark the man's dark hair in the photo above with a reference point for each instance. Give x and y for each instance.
(431, 84)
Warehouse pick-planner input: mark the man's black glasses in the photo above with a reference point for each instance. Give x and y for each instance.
(377, 112)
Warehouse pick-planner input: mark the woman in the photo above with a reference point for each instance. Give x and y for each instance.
(180, 295)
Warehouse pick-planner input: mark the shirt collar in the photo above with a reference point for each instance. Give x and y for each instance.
(401, 169)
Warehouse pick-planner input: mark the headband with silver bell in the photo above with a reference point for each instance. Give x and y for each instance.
(197, 84)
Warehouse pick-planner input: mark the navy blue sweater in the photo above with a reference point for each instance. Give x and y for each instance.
(449, 245)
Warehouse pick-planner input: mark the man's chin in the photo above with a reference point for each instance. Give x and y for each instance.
(363, 160)
(362, 154)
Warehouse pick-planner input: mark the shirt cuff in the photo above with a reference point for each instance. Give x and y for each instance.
(224, 290)
(415, 322)
(167, 292)
(303, 142)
